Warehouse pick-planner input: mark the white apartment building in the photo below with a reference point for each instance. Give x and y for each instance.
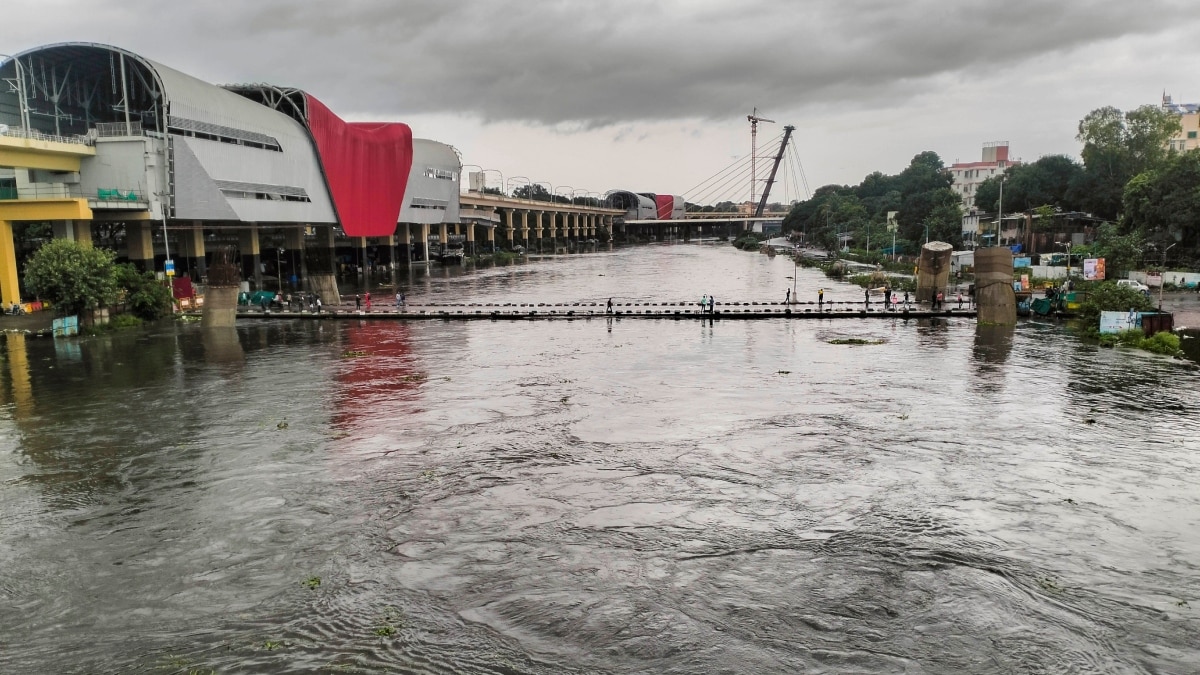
(968, 175)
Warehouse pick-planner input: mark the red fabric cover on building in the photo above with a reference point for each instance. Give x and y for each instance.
(366, 165)
(666, 206)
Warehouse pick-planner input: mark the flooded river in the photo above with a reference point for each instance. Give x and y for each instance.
(596, 496)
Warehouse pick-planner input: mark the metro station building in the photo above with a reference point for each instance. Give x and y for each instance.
(117, 150)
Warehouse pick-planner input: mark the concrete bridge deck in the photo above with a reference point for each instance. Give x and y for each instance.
(736, 311)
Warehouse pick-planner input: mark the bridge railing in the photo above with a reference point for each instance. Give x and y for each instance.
(35, 135)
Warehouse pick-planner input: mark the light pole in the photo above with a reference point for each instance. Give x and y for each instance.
(515, 178)
(279, 268)
(501, 179)
(550, 191)
(1162, 277)
(1000, 215)
(466, 166)
(566, 196)
(1066, 245)
(22, 101)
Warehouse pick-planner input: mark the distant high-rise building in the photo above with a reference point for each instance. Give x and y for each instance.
(1189, 122)
(968, 175)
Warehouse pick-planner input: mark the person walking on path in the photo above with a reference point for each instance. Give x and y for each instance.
(703, 303)
(367, 300)
(960, 299)
(820, 298)
(608, 308)
(905, 299)
(399, 299)
(318, 304)
(867, 298)
(787, 299)
(357, 302)
(712, 305)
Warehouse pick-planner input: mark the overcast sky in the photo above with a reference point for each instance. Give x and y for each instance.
(653, 96)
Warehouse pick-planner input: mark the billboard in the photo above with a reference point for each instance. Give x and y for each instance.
(1022, 262)
(1115, 322)
(1093, 269)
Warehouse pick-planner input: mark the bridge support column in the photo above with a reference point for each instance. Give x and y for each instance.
(193, 252)
(139, 244)
(469, 247)
(251, 256)
(10, 290)
(525, 228)
(292, 257)
(321, 264)
(423, 244)
(403, 243)
(491, 237)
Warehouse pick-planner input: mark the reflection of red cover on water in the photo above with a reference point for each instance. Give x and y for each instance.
(666, 206)
(378, 374)
(366, 165)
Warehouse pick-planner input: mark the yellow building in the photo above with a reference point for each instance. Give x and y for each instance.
(1188, 137)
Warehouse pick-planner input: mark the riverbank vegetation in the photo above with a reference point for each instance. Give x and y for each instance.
(78, 280)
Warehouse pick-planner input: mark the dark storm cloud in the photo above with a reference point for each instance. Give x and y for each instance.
(596, 63)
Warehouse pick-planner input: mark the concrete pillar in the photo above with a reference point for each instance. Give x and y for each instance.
(320, 265)
(525, 227)
(192, 256)
(444, 235)
(933, 271)
(491, 237)
(508, 229)
(251, 256)
(404, 247)
(293, 255)
(83, 232)
(63, 229)
(469, 247)
(995, 299)
(10, 290)
(424, 243)
(139, 244)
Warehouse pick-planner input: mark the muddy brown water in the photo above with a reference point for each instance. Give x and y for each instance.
(598, 496)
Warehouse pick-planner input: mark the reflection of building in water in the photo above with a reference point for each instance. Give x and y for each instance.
(378, 374)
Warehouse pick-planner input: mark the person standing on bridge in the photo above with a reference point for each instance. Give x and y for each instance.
(787, 298)
(820, 298)
(703, 303)
(608, 308)
(906, 299)
(399, 299)
(712, 304)
(367, 300)
(867, 298)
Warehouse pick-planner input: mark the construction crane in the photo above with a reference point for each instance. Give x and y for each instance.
(754, 120)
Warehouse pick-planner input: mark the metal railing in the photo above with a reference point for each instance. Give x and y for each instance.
(42, 191)
(34, 134)
(116, 129)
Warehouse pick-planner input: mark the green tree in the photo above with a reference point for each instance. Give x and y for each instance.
(1052, 180)
(1122, 251)
(1165, 202)
(72, 277)
(1107, 296)
(1118, 146)
(146, 297)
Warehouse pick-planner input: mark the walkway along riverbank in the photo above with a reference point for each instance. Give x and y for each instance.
(736, 311)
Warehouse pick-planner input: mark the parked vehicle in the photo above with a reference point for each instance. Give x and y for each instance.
(1134, 284)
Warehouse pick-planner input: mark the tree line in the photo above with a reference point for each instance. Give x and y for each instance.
(1145, 193)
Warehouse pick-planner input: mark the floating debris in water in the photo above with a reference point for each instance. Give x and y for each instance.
(353, 353)
(312, 582)
(855, 341)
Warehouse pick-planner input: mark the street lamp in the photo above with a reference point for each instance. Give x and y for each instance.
(1000, 217)
(1066, 245)
(508, 184)
(1162, 277)
(566, 196)
(22, 101)
(550, 187)
(466, 166)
